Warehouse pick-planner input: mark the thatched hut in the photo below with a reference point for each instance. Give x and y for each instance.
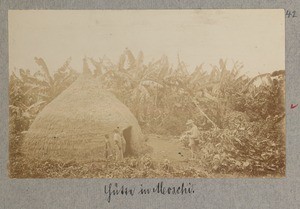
(73, 126)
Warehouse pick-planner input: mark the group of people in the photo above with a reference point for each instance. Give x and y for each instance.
(116, 146)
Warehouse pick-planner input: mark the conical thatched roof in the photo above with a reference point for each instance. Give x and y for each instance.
(73, 125)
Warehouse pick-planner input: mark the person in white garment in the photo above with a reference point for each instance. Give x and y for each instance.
(193, 134)
(118, 145)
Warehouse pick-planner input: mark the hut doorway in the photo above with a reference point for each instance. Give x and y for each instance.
(127, 137)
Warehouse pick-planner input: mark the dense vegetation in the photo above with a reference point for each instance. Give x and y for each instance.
(241, 122)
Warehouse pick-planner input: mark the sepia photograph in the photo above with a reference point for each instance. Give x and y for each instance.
(147, 93)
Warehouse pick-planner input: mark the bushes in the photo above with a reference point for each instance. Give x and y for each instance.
(250, 148)
(30, 92)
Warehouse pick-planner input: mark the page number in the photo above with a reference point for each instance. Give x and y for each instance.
(290, 13)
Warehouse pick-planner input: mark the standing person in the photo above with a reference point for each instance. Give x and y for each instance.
(123, 141)
(106, 146)
(123, 144)
(193, 134)
(118, 145)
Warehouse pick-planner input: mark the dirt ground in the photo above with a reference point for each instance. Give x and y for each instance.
(168, 147)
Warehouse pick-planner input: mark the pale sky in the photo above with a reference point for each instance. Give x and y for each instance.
(254, 37)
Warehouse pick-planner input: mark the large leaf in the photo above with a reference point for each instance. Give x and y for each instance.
(44, 69)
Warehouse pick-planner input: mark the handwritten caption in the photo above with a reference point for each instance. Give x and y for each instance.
(113, 190)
